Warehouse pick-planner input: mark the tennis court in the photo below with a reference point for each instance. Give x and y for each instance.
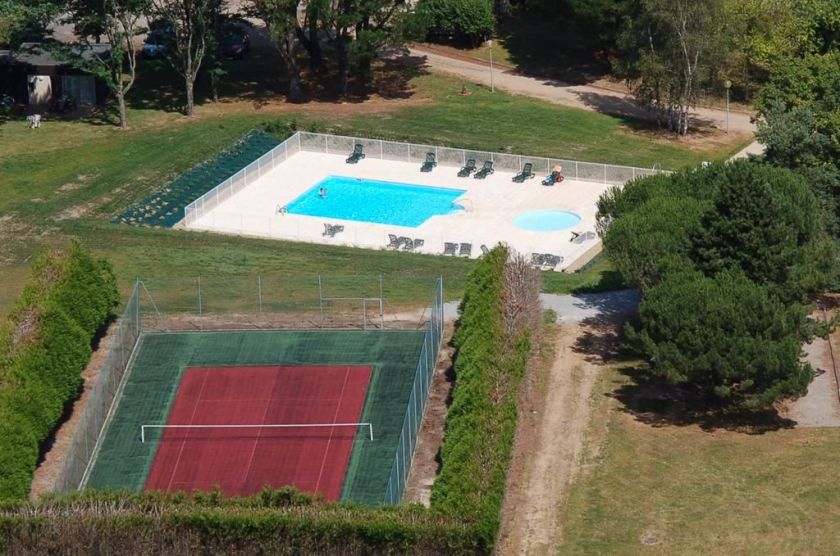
(163, 362)
(246, 428)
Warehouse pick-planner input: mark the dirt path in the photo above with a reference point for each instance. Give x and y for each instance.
(586, 97)
(548, 449)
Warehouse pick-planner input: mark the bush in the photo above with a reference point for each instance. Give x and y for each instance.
(468, 21)
(44, 346)
(727, 336)
(725, 255)
(493, 349)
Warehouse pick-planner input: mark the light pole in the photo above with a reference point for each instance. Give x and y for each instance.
(728, 85)
(492, 84)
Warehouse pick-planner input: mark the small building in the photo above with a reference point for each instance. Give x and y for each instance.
(34, 76)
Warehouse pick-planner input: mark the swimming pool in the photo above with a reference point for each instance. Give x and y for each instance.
(380, 202)
(546, 220)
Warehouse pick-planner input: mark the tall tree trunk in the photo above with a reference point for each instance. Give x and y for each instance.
(121, 104)
(343, 64)
(315, 57)
(190, 83)
(288, 49)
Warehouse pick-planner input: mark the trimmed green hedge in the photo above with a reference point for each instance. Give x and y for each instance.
(466, 499)
(45, 344)
(273, 522)
(481, 422)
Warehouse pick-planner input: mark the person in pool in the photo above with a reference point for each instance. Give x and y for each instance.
(322, 192)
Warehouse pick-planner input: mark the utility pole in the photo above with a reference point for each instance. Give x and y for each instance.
(728, 85)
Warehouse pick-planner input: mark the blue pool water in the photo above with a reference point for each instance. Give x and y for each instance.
(546, 220)
(380, 202)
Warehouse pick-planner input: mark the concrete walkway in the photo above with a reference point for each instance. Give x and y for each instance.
(571, 308)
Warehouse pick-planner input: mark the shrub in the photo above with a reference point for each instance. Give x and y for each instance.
(44, 346)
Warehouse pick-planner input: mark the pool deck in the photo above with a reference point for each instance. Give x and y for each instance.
(491, 205)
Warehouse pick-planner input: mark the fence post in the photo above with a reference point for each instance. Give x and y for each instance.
(321, 300)
(259, 290)
(381, 309)
(605, 173)
(364, 313)
(576, 169)
(199, 295)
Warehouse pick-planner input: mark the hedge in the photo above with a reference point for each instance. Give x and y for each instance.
(493, 343)
(273, 522)
(481, 422)
(45, 344)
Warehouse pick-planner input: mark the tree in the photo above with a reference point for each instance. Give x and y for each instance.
(190, 24)
(766, 223)
(724, 335)
(281, 21)
(648, 242)
(116, 20)
(469, 21)
(668, 51)
(19, 20)
(799, 123)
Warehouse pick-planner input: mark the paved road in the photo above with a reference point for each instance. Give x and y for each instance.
(569, 308)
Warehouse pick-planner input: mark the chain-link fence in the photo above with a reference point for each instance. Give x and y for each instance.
(445, 156)
(404, 152)
(102, 396)
(417, 401)
(242, 179)
(263, 301)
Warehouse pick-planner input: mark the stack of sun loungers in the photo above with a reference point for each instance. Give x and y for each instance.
(404, 243)
(331, 229)
(581, 238)
(546, 261)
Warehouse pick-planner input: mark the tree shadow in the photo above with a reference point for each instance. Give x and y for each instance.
(601, 336)
(655, 403)
(543, 44)
(157, 87)
(634, 115)
(608, 280)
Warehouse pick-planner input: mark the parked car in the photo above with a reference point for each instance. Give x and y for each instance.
(155, 44)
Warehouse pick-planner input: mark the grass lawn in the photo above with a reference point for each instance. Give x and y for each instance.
(70, 178)
(689, 491)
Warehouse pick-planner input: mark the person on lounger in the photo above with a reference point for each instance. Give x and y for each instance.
(555, 177)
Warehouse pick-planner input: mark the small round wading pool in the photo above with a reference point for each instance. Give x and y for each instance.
(546, 220)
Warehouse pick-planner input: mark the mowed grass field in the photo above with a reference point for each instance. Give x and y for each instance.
(673, 489)
(68, 179)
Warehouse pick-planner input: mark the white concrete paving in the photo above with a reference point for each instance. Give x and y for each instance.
(491, 205)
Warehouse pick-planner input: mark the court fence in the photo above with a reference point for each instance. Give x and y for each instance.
(417, 401)
(262, 302)
(403, 152)
(108, 384)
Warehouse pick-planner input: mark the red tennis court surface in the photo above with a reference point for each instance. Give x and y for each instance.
(243, 461)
